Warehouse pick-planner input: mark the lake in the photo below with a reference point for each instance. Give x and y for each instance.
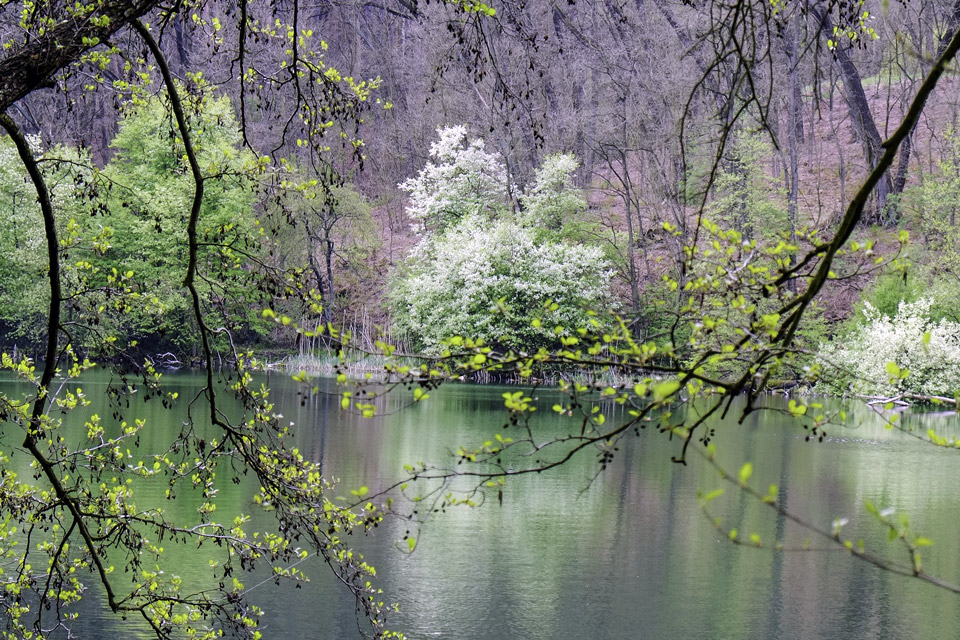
(628, 554)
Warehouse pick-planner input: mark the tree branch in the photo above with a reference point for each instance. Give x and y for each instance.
(855, 209)
(50, 362)
(31, 64)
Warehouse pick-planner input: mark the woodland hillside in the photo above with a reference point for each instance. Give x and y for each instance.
(621, 86)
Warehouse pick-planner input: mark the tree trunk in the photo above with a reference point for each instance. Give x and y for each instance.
(861, 117)
(794, 133)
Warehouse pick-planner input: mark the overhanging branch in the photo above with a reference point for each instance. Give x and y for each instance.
(30, 65)
(854, 212)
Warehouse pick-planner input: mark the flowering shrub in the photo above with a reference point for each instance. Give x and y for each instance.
(489, 280)
(552, 199)
(462, 179)
(483, 272)
(884, 356)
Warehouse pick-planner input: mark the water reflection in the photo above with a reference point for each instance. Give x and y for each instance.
(627, 554)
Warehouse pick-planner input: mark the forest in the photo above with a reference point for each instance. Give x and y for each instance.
(582, 183)
(664, 211)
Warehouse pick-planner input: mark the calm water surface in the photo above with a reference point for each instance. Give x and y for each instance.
(628, 555)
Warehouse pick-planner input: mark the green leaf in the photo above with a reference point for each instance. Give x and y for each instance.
(713, 495)
(796, 410)
(745, 472)
(772, 492)
(664, 390)
(411, 543)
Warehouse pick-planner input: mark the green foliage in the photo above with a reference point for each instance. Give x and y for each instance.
(726, 304)
(358, 235)
(721, 326)
(331, 230)
(892, 289)
(746, 197)
(147, 212)
(123, 232)
(355, 238)
(889, 290)
(932, 205)
(657, 318)
(23, 296)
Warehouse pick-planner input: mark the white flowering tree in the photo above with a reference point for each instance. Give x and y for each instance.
(482, 272)
(553, 199)
(908, 353)
(494, 281)
(461, 179)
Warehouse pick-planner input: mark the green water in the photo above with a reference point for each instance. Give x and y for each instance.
(626, 555)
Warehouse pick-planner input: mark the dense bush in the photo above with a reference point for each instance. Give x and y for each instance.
(481, 271)
(489, 280)
(884, 355)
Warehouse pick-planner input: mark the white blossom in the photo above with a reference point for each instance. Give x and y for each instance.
(553, 198)
(461, 179)
(928, 351)
(461, 281)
